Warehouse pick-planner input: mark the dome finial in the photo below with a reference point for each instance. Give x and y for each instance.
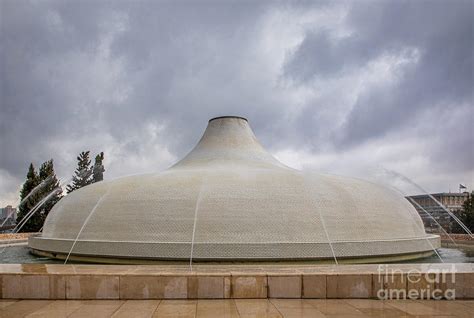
(222, 117)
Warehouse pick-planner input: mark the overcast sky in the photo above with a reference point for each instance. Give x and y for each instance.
(352, 88)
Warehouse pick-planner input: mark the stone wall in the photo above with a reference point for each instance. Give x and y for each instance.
(14, 236)
(414, 281)
(457, 237)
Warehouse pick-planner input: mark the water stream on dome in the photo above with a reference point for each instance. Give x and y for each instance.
(84, 224)
(430, 216)
(454, 217)
(35, 190)
(416, 216)
(35, 208)
(196, 209)
(323, 223)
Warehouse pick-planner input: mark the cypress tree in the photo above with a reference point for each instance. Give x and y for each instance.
(48, 176)
(466, 215)
(98, 169)
(83, 174)
(49, 184)
(32, 181)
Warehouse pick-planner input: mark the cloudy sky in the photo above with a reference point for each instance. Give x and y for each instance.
(351, 88)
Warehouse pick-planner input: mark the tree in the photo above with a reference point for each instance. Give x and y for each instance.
(27, 200)
(98, 169)
(46, 192)
(83, 174)
(51, 184)
(467, 214)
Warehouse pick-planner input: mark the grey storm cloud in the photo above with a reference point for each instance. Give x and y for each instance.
(325, 85)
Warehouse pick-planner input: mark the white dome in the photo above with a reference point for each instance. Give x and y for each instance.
(234, 201)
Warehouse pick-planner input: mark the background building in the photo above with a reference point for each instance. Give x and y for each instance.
(9, 213)
(452, 201)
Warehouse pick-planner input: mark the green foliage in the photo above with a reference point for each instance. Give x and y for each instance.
(28, 199)
(41, 189)
(467, 214)
(83, 174)
(32, 180)
(37, 187)
(51, 183)
(98, 169)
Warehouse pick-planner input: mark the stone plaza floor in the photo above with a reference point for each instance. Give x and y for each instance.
(237, 308)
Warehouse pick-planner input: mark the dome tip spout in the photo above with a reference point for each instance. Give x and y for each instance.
(224, 117)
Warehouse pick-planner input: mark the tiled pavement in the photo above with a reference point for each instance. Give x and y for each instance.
(236, 308)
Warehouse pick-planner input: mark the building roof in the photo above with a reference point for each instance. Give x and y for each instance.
(441, 194)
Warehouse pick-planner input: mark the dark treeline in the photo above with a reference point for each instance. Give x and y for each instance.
(41, 189)
(466, 216)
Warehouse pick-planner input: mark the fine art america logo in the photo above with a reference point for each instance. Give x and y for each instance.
(415, 284)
